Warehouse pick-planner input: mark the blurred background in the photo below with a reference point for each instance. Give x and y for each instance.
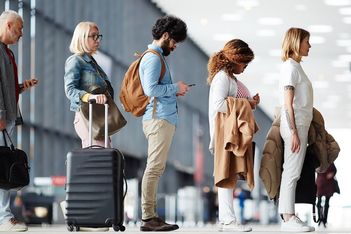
(186, 191)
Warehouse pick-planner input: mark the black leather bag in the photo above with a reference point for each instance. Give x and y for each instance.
(14, 169)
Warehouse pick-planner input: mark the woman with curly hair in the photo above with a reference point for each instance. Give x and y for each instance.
(223, 67)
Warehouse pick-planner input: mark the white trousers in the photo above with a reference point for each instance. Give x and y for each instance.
(5, 212)
(225, 206)
(82, 129)
(292, 167)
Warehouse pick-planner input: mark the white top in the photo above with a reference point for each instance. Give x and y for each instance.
(292, 74)
(222, 86)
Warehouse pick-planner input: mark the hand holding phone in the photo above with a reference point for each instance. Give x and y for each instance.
(28, 84)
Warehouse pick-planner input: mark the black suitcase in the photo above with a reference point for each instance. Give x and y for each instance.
(94, 187)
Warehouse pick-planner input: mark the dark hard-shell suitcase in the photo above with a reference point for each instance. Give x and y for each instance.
(94, 187)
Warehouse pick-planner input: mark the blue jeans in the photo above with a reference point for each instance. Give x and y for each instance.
(5, 212)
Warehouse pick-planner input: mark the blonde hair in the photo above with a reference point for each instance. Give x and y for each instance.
(10, 16)
(79, 43)
(234, 52)
(291, 43)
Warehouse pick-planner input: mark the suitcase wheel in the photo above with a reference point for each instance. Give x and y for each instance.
(117, 228)
(72, 228)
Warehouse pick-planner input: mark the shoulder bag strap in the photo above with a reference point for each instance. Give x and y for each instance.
(163, 71)
(5, 133)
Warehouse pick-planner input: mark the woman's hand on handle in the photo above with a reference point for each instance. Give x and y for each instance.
(100, 98)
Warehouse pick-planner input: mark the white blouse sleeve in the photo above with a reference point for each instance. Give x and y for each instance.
(220, 91)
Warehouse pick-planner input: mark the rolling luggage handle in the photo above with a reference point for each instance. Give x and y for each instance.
(91, 102)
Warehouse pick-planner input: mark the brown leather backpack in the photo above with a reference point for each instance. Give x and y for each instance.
(132, 95)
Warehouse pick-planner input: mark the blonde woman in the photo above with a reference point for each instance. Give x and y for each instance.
(223, 67)
(296, 116)
(82, 73)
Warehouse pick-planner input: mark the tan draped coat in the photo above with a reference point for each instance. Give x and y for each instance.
(233, 154)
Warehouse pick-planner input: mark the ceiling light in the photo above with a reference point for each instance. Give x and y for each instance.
(231, 17)
(317, 40)
(345, 11)
(337, 2)
(320, 28)
(223, 36)
(301, 7)
(347, 20)
(270, 21)
(248, 4)
(265, 33)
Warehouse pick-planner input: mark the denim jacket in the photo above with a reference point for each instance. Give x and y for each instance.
(81, 74)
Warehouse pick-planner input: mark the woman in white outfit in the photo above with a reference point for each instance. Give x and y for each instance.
(222, 68)
(296, 116)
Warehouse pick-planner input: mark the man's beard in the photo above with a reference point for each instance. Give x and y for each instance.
(165, 48)
(14, 37)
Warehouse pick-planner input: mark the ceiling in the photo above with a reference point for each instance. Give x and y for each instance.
(262, 24)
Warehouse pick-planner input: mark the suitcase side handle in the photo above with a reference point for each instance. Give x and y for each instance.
(91, 102)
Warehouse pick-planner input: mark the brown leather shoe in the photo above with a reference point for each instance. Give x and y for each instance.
(156, 224)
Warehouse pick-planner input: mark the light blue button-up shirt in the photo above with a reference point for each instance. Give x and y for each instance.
(165, 91)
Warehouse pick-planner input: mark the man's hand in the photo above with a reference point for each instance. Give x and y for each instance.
(100, 98)
(183, 88)
(2, 124)
(29, 83)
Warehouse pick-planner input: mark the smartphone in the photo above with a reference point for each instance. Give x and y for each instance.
(191, 85)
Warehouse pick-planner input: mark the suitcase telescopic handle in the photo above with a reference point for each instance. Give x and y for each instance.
(91, 102)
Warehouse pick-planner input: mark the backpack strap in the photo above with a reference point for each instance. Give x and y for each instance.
(163, 71)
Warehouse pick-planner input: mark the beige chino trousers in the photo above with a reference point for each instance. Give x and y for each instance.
(159, 134)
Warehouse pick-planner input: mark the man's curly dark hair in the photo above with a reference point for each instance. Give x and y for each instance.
(175, 27)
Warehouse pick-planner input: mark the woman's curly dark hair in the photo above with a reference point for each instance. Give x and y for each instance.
(234, 52)
(175, 27)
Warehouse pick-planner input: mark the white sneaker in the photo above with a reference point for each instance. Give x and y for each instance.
(12, 225)
(294, 224)
(234, 227)
(63, 206)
